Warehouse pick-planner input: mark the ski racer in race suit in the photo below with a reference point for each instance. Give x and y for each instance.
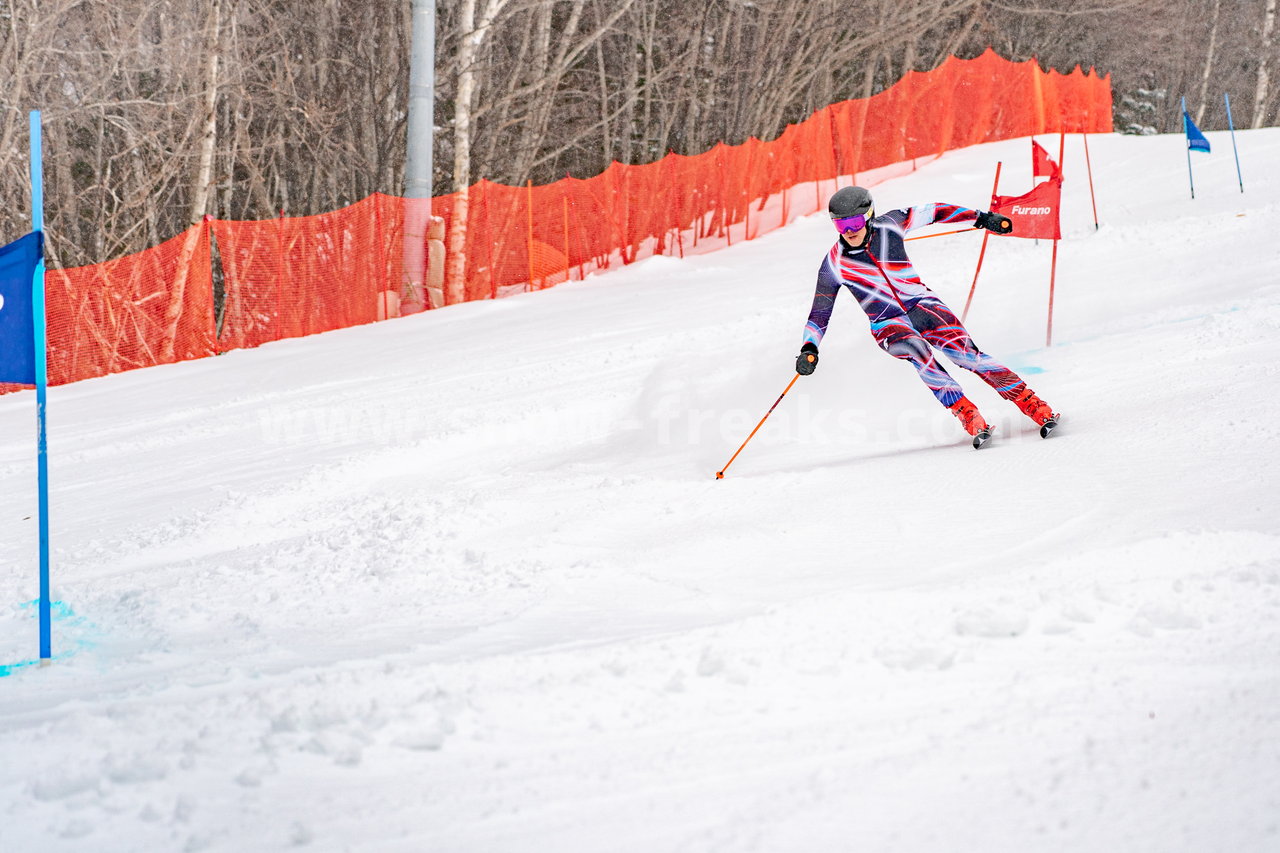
(908, 320)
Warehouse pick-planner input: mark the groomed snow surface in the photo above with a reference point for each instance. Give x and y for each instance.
(466, 582)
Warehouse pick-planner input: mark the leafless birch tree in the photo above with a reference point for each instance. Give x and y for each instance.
(1265, 57)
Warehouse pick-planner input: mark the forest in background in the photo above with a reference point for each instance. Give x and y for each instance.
(157, 112)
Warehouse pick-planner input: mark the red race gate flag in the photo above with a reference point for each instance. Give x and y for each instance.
(1042, 165)
(1035, 214)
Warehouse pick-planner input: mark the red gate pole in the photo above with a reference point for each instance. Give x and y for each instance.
(982, 253)
(1053, 273)
(1053, 268)
(1089, 167)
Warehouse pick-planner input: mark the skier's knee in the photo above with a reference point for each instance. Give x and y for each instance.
(908, 349)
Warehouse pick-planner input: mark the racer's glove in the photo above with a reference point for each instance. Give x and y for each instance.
(807, 360)
(994, 222)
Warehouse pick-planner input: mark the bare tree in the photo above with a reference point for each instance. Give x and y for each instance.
(1208, 62)
(208, 117)
(473, 30)
(1264, 65)
(208, 121)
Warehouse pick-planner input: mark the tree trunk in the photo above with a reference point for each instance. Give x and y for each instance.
(472, 39)
(1264, 66)
(209, 133)
(199, 188)
(1208, 63)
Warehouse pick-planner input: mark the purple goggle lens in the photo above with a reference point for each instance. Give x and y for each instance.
(851, 224)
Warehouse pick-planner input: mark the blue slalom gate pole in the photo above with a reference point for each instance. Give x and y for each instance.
(1186, 134)
(1232, 125)
(42, 390)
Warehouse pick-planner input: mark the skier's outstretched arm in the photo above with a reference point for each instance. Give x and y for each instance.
(933, 214)
(824, 300)
(942, 212)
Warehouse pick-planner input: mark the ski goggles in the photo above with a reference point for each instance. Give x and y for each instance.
(853, 224)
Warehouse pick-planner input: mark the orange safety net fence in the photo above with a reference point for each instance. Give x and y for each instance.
(526, 238)
(289, 277)
(152, 307)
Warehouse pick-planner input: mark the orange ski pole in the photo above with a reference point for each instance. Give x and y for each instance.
(940, 234)
(720, 473)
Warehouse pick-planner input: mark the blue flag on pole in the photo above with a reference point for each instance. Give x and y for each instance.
(1196, 140)
(18, 262)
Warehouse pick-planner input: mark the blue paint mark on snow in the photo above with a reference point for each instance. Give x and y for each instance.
(74, 632)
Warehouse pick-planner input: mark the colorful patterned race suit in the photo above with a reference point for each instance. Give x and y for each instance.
(906, 316)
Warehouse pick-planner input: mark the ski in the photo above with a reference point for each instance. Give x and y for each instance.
(981, 438)
(1047, 428)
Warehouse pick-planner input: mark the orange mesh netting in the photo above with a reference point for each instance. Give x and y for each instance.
(289, 277)
(153, 307)
(297, 276)
(526, 238)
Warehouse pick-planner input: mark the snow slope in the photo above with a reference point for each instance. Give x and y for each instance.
(465, 581)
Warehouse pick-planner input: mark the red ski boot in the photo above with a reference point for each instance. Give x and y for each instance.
(1033, 407)
(1038, 410)
(972, 421)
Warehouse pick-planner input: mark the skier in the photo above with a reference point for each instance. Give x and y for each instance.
(907, 318)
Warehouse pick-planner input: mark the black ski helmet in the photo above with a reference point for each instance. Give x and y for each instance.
(849, 201)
